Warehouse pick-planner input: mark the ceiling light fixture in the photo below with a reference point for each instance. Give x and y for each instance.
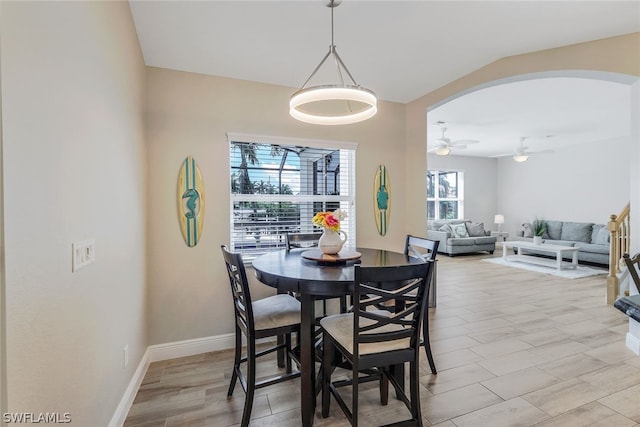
(333, 104)
(520, 158)
(443, 151)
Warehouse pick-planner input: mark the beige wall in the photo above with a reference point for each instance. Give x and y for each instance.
(611, 55)
(190, 114)
(74, 168)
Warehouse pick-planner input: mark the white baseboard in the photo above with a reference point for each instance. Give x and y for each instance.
(192, 347)
(130, 393)
(172, 350)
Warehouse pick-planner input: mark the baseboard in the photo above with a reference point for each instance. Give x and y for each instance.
(172, 350)
(191, 347)
(124, 406)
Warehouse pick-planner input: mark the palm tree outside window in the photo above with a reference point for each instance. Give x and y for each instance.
(277, 188)
(445, 195)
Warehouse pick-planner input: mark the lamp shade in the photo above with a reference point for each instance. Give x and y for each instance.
(498, 219)
(442, 151)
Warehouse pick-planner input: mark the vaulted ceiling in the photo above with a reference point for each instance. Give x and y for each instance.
(405, 49)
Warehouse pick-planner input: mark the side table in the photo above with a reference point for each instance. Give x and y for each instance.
(503, 234)
(500, 234)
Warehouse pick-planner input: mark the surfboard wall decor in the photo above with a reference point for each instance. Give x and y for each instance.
(382, 199)
(190, 201)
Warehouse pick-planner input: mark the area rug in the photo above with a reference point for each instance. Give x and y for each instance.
(579, 272)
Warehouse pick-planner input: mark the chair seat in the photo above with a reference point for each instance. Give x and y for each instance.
(340, 327)
(276, 311)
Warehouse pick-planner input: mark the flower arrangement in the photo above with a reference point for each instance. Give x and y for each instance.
(329, 220)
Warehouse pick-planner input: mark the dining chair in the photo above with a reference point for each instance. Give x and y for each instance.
(301, 240)
(277, 315)
(375, 341)
(422, 248)
(633, 264)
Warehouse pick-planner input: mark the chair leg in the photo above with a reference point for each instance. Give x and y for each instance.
(354, 397)
(384, 386)
(425, 341)
(236, 362)
(251, 381)
(280, 353)
(414, 390)
(327, 360)
(287, 341)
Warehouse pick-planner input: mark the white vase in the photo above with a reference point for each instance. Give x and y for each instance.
(331, 242)
(537, 240)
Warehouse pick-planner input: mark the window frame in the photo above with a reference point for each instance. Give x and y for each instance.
(347, 201)
(436, 194)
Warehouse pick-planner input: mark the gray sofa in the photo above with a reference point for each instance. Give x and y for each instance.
(460, 236)
(591, 239)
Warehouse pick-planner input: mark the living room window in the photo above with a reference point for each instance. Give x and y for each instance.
(445, 194)
(278, 184)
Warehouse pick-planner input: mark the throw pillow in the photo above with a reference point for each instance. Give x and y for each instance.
(594, 233)
(527, 230)
(603, 236)
(554, 230)
(577, 231)
(475, 229)
(446, 228)
(459, 230)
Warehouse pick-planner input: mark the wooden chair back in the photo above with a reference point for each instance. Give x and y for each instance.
(633, 264)
(239, 290)
(420, 247)
(407, 286)
(301, 240)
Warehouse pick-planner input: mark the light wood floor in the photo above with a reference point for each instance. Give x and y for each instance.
(512, 348)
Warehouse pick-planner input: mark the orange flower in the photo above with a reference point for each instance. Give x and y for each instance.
(326, 220)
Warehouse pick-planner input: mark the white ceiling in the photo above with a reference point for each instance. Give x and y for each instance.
(405, 49)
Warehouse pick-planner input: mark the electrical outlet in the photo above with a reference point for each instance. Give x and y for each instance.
(82, 254)
(125, 355)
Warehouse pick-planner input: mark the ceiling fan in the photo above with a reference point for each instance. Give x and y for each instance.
(443, 146)
(522, 153)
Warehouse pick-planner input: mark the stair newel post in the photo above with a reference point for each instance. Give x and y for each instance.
(614, 255)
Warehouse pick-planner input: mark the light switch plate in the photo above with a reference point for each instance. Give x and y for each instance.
(83, 254)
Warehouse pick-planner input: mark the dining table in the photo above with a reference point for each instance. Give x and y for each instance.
(315, 278)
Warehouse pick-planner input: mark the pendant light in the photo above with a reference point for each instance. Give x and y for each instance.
(340, 103)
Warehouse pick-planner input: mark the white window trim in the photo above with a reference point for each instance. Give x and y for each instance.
(349, 223)
(283, 140)
(436, 199)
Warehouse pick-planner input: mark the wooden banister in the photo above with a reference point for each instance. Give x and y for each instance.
(619, 230)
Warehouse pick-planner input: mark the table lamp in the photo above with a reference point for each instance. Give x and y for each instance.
(499, 219)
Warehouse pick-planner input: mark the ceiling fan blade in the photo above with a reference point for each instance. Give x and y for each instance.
(539, 152)
(465, 142)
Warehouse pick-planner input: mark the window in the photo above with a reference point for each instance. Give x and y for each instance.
(279, 184)
(445, 195)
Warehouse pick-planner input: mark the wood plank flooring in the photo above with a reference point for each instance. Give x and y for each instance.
(512, 348)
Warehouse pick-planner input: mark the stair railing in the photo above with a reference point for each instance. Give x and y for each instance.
(619, 244)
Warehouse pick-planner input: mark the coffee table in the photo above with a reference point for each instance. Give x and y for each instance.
(558, 250)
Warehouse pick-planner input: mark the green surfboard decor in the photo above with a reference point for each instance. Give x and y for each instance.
(190, 201)
(381, 199)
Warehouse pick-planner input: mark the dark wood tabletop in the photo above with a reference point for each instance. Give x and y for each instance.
(289, 271)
